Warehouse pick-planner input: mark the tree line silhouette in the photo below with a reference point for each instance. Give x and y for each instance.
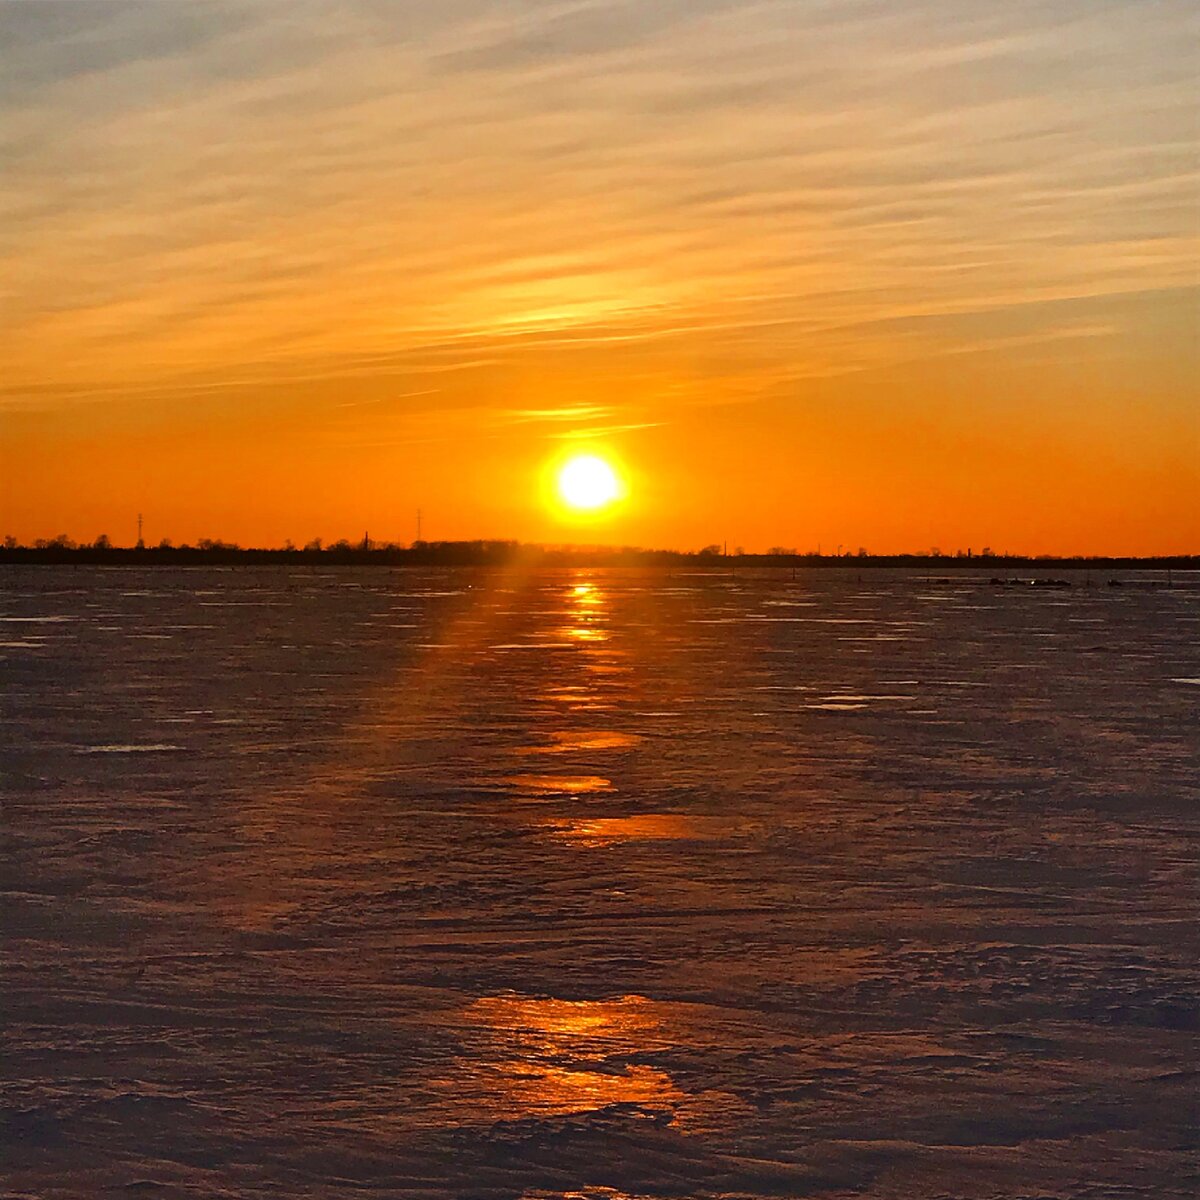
(495, 553)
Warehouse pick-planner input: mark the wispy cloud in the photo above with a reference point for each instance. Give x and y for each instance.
(200, 193)
(575, 414)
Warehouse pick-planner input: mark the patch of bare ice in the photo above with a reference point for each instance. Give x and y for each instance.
(130, 748)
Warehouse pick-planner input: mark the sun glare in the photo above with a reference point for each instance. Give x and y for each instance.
(587, 483)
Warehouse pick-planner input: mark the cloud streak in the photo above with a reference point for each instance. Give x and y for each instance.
(191, 189)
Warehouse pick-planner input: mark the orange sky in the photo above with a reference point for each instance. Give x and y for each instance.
(896, 274)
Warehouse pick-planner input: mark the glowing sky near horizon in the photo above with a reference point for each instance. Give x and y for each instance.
(873, 272)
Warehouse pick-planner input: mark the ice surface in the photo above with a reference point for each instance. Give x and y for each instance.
(679, 901)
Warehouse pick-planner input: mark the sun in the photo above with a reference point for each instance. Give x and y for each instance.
(587, 483)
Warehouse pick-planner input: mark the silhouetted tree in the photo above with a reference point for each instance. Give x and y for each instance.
(103, 542)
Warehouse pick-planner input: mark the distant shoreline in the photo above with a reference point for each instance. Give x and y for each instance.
(489, 554)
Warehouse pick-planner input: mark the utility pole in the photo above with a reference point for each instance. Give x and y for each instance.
(140, 543)
(418, 524)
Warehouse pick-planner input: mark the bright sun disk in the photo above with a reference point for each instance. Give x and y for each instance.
(587, 482)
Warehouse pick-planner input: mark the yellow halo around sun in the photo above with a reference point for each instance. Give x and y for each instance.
(587, 483)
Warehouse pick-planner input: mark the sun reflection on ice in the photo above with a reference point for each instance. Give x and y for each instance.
(586, 605)
(552, 1026)
(648, 827)
(554, 1057)
(569, 784)
(565, 741)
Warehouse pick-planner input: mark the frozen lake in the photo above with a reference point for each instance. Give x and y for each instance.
(596, 884)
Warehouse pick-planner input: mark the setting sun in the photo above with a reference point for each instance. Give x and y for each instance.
(587, 483)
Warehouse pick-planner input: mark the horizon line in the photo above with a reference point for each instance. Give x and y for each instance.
(496, 551)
